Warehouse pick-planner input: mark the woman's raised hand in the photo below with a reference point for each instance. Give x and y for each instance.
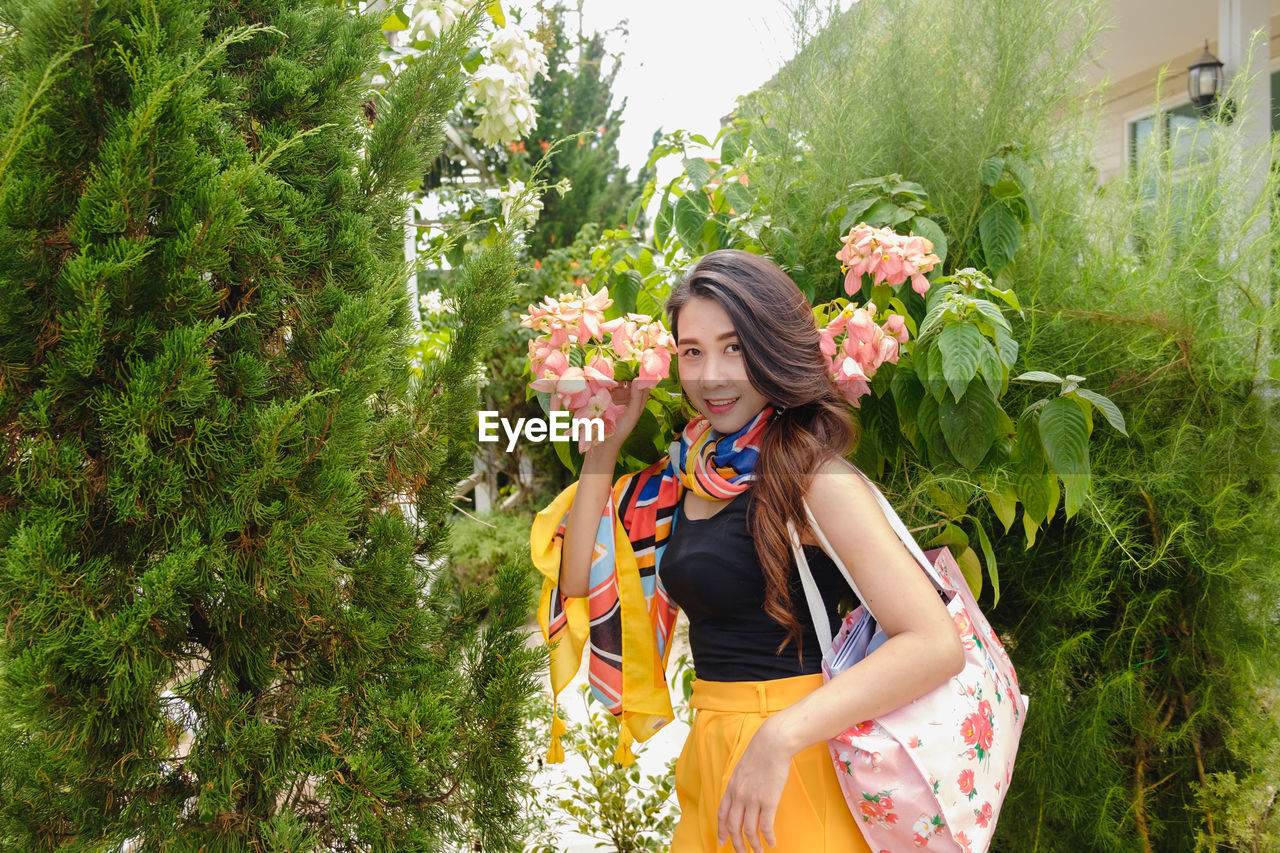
(634, 399)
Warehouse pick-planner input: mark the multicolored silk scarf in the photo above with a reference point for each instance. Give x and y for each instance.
(627, 619)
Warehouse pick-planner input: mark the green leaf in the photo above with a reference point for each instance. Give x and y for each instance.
(967, 560)
(785, 246)
(662, 225)
(473, 59)
(494, 8)
(732, 146)
(691, 213)
(1006, 346)
(394, 23)
(991, 169)
(969, 425)
(931, 430)
(998, 228)
(1109, 409)
(738, 196)
(1029, 527)
(1006, 189)
(633, 212)
(1035, 492)
(1064, 433)
(854, 214)
(881, 213)
(990, 556)
(992, 368)
(929, 230)
(1039, 376)
(961, 348)
(698, 171)
(626, 288)
(933, 377)
(951, 536)
(700, 139)
(1004, 501)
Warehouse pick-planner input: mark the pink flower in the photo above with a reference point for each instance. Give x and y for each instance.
(965, 781)
(897, 327)
(984, 816)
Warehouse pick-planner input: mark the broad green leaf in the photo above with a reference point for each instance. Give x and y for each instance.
(992, 312)
(961, 348)
(698, 171)
(933, 376)
(738, 197)
(967, 560)
(1004, 501)
(1035, 492)
(700, 139)
(854, 214)
(1029, 528)
(394, 23)
(633, 212)
(952, 506)
(732, 146)
(929, 230)
(472, 60)
(662, 225)
(1065, 437)
(1020, 171)
(1006, 189)
(952, 536)
(1006, 346)
(931, 430)
(1109, 409)
(992, 368)
(969, 425)
(991, 169)
(881, 213)
(1039, 376)
(626, 289)
(1028, 453)
(494, 8)
(690, 215)
(998, 228)
(990, 556)
(785, 246)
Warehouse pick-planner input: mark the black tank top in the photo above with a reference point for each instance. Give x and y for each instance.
(711, 570)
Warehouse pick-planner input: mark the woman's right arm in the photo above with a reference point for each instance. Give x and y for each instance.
(595, 485)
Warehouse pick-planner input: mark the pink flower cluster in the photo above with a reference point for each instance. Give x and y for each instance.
(886, 256)
(574, 322)
(864, 347)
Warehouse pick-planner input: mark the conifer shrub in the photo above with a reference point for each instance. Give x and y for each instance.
(221, 483)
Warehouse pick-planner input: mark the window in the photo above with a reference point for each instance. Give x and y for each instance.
(1179, 133)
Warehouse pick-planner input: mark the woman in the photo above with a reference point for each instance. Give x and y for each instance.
(771, 430)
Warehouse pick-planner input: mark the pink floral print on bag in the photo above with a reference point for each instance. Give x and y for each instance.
(933, 773)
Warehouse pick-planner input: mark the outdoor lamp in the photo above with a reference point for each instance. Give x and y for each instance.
(1204, 80)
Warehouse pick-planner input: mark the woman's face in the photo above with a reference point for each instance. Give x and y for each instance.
(713, 368)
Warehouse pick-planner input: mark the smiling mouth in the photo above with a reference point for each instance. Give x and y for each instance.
(718, 406)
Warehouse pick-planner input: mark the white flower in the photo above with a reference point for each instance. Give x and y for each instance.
(519, 52)
(433, 302)
(432, 17)
(529, 207)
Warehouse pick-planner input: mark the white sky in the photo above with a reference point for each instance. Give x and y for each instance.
(686, 62)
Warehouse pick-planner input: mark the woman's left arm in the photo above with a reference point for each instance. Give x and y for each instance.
(922, 651)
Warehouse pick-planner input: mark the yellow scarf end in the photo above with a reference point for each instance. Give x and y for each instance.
(623, 754)
(555, 755)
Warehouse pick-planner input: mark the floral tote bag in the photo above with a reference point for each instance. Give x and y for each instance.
(933, 773)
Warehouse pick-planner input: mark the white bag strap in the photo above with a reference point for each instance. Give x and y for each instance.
(817, 610)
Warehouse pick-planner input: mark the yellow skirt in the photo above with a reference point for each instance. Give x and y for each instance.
(812, 814)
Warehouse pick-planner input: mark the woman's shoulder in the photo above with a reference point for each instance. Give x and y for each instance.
(838, 488)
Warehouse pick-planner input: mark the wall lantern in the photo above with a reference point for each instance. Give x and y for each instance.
(1204, 81)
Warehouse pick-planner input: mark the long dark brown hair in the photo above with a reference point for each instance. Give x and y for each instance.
(775, 326)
